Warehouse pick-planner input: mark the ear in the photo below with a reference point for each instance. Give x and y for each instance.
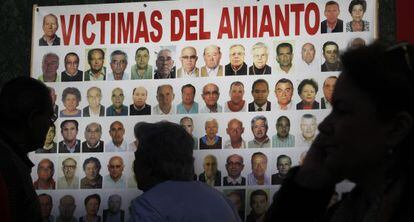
(399, 127)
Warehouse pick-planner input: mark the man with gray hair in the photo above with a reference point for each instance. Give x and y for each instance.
(119, 62)
(308, 128)
(165, 65)
(50, 65)
(212, 57)
(188, 60)
(114, 213)
(93, 143)
(259, 128)
(211, 140)
(50, 26)
(237, 66)
(95, 108)
(260, 54)
(117, 108)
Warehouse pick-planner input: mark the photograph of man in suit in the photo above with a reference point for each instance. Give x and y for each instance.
(50, 65)
(234, 167)
(95, 108)
(212, 57)
(331, 54)
(188, 60)
(237, 66)
(260, 91)
(283, 165)
(93, 143)
(328, 88)
(72, 72)
(211, 175)
(332, 23)
(139, 105)
(97, 71)
(69, 130)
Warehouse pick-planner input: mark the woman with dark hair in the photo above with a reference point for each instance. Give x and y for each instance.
(367, 139)
(357, 10)
(164, 170)
(307, 90)
(71, 97)
(92, 203)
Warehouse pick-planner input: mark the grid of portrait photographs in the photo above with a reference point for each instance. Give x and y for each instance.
(252, 106)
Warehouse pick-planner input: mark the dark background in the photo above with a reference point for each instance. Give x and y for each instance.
(16, 29)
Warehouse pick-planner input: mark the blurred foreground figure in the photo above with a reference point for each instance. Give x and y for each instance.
(164, 169)
(366, 139)
(26, 113)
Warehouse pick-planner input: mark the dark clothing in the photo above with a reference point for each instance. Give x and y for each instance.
(106, 213)
(203, 144)
(52, 150)
(217, 178)
(86, 113)
(251, 107)
(67, 78)
(225, 183)
(228, 70)
(43, 42)
(171, 76)
(17, 186)
(63, 147)
(145, 111)
(277, 179)
(96, 183)
(86, 149)
(263, 71)
(315, 105)
(325, 67)
(338, 28)
(110, 111)
(323, 103)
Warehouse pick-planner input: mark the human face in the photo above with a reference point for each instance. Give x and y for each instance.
(91, 170)
(71, 102)
(71, 64)
(94, 98)
(97, 61)
(210, 167)
(92, 207)
(283, 128)
(331, 54)
(331, 13)
(117, 132)
(211, 129)
(283, 165)
(259, 129)
(49, 66)
(93, 134)
(259, 204)
(260, 57)
(45, 171)
(308, 127)
(328, 88)
(67, 206)
(210, 94)
(308, 53)
(165, 96)
(45, 206)
(260, 93)
(164, 63)
(188, 59)
(50, 136)
(237, 56)
(50, 26)
(284, 57)
(259, 165)
(212, 57)
(140, 97)
(118, 64)
(308, 94)
(188, 96)
(117, 98)
(69, 169)
(236, 200)
(142, 58)
(235, 130)
(69, 132)
(357, 13)
(234, 166)
(114, 203)
(115, 168)
(284, 92)
(353, 138)
(188, 126)
(236, 94)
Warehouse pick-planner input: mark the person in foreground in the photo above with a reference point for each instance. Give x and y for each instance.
(164, 169)
(26, 113)
(365, 140)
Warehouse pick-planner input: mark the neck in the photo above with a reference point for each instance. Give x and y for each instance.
(118, 144)
(165, 109)
(70, 143)
(237, 143)
(331, 24)
(261, 139)
(286, 68)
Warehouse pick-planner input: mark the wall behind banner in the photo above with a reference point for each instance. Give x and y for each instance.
(128, 26)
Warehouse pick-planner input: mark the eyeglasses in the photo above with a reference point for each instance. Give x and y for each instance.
(193, 57)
